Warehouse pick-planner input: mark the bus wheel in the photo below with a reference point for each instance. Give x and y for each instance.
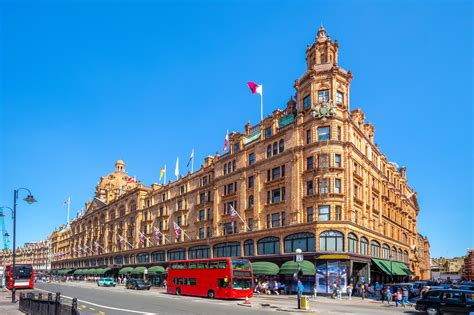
(178, 291)
(210, 294)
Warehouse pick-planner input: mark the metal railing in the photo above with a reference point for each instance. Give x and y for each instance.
(35, 304)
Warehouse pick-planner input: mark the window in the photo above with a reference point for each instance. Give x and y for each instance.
(250, 180)
(337, 160)
(269, 150)
(225, 169)
(198, 252)
(276, 195)
(208, 232)
(405, 256)
(337, 186)
(251, 202)
(161, 211)
(204, 181)
(339, 97)
(275, 173)
(385, 251)
(180, 204)
(268, 245)
(230, 228)
(230, 249)
(338, 213)
(323, 160)
(394, 254)
(309, 188)
(283, 218)
(309, 163)
(331, 241)
(250, 224)
(309, 214)
(304, 241)
(236, 147)
(181, 189)
(339, 133)
(308, 136)
(307, 102)
(323, 96)
(157, 256)
(281, 146)
(324, 133)
(268, 132)
(323, 186)
(180, 220)
(202, 197)
(364, 246)
(201, 233)
(201, 215)
(176, 254)
(275, 220)
(251, 158)
(375, 249)
(249, 248)
(209, 213)
(275, 148)
(323, 213)
(352, 243)
(233, 166)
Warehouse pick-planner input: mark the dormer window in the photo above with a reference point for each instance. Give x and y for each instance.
(268, 132)
(323, 96)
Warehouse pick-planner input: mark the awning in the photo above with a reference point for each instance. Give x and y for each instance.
(104, 270)
(138, 270)
(98, 271)
(125, 270)
(392, 268)
(290, 267)
(78, 272)
(155, 270)
(265, 268)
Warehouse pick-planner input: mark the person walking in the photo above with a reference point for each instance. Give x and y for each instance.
(349, 291)
(398, 298)
(338, 292)
(334, 290)
(387, 296)
(405, 296)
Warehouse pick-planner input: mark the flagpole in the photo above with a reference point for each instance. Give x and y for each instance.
(165, 175)
(192, 163)
(68, 208)
(261, 105)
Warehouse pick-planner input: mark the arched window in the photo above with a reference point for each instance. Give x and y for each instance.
(400, 255)
(268, 245)
(118, 260)
(143, 258)
(352, 243)
(234, 166)
(405, 256)
(126, 259)
(394, 253)
(251, 201)
(275, 148)
(269, 150)
(249, 249)
(176, 254)
(385, 251)
(132, 259)
(375, 249)
(331, 241)
(225, 169)
(304, 241)
(229, 167)
(364, 246)
(157, 256)
(230, 249)
(198, 252)
(281, 146)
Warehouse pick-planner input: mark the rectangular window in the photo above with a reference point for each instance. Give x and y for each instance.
(180, 204)
(276, 195)
(202, 197)
(268, 221)
(339, 97)
(201, 215)
(324, 133)
(275, 220)
(208, 231)
(283, 218)
(204, 181)
(283, 193)
(250, 224)
(323, 186)
(283, 170)
(307, 102)
(309, 163)
(236, 147)
(275, 173)
(209, 213)
(181, 189)
(309, 188)
(337, 160)
(251, 158)
(250, 185)
(309, 214)
(337, 186)
(338, 213)
(268, 132)
(161, 211)
(308, 136)
(180, 220)
(323, 213)
(201, 233)
(323, 160)
(323, 96)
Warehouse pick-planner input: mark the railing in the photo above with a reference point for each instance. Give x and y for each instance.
(31, 303)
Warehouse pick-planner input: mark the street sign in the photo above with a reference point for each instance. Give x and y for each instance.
(299, 258)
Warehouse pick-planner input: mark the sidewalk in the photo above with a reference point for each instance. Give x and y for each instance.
(6, 305)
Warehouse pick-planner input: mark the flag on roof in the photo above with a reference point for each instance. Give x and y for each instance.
(226, 141)
(255, 88)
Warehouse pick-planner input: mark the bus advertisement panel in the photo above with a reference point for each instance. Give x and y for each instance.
(223, 278)
(23, 276)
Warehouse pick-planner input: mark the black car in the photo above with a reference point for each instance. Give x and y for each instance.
(137, 284)
(435, 302)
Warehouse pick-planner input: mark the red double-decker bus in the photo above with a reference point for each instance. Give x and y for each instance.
(23, 275)
(223, 278)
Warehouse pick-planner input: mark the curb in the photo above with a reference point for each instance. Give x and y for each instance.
(243, 304)
(295, 310)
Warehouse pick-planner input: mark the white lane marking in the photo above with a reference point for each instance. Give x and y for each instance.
(104, 306)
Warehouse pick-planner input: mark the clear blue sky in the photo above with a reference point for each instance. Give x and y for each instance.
(85, 84)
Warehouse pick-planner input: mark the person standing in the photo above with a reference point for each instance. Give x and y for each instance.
(334, 290)
(349, 291)
(363, 288)
(338, 290)
(315, 290)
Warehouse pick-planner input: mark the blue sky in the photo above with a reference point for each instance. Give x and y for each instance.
(84, 84)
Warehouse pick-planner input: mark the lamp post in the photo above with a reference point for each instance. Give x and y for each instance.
(29, 199)
(391, 268)
(297, 275)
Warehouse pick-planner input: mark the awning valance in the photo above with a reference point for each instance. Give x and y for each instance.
(392, 268)
(290, 267)
(265, 268)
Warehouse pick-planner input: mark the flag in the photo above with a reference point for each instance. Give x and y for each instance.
(142, 238)
(255, 88)
(233, 213)
(67, 201)
(162, 172)
(190, 158)
(177, 230)
(121, 239)
(226, 141)
(158, 235)
(176, 170)
(96, 245)
(132, 179)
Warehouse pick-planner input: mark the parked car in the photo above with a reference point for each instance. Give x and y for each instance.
(106, 282)
(435, 302)
(137, 284)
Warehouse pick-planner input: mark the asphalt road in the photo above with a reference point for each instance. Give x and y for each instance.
(93, 300)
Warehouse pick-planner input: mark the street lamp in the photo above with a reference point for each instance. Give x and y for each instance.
(297, 275)
(29, 199)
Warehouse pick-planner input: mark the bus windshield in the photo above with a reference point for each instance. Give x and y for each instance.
(242, 283)
(239, 264)
(22, 272)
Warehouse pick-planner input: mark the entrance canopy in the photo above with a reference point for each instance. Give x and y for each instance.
(265, 268)
(392, 268)
(290, 267)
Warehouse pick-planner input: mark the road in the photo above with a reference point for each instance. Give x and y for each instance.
(93, 300)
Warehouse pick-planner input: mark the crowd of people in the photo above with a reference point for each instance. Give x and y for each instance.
(269, 286)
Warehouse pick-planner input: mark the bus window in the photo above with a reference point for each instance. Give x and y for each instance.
(213, 265)
(221, 283)
(192, 265)
(222, 264)
(241, 284)
(239, 264)
(202, 265)
(191, 281)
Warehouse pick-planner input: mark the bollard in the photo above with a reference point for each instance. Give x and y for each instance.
(57, 304)
(50, 296)
(40, 296)
(74, 306)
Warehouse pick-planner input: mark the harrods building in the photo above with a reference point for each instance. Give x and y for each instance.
(308, 176)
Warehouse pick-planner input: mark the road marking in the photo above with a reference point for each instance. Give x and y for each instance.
(104, 306)
(92, 309)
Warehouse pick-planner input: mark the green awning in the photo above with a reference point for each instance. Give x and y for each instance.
(265, 268)
(78, 272)
(288, 119)
(125, 270)
(290, 267)
(155, 270)
(63, 271)
(103, 271)
(138, 270)
(392, 268)
(252, 137)
(98, 271)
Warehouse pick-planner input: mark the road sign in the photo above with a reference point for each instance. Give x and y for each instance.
(299, 258)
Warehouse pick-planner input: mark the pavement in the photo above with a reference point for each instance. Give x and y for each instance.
(6, 305)
(94, 300)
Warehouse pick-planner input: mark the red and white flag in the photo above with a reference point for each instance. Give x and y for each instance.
(226, 141)
(255, 88)
(132, 179)
(177, 230)
(121, 239)
(142, 238)
(158, 235)
(233, 213)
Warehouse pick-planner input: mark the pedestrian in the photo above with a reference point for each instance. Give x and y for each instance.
(315, 290)
(338, 290)
(334, 290)
(405, 296)
(349, 291)
(398, 298)
(300, 288)
(387, 296)
(362, 290)
(275, 287)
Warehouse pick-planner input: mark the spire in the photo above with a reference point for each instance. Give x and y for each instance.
(321, 33)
